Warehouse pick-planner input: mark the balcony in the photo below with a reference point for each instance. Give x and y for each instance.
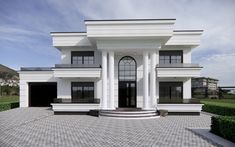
(178, 70)
(77, 70)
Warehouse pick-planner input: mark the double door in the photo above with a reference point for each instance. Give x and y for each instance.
(127, 94)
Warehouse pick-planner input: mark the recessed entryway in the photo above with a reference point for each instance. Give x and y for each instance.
(127, 82)
(42, 94)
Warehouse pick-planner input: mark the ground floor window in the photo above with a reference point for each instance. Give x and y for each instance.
(82, 92)
(170, 91)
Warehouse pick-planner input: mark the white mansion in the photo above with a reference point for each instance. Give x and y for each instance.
(131, 63)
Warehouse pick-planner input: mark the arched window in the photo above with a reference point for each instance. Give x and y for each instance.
(127, 69)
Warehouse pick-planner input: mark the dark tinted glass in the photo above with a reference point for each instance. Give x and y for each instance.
(82, 91)
(82, 57)
(127, 69)
(170, 57)
(171, 90)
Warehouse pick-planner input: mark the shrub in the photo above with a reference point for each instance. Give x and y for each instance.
(7, 106)
(224, 126)
(215, 125)
(220, 110)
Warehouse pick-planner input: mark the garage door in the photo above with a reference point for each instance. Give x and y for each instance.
(42, 94)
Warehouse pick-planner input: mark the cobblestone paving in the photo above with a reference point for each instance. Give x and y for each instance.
(29, 127)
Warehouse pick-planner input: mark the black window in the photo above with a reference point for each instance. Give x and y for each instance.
(170, 57)
(171, 91)
(127, 69)
(82, 91)
(82, 57)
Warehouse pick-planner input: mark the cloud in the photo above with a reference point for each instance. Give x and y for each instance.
(221, 66)
(27, 24)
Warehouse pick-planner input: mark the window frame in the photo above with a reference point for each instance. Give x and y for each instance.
(83, 85)
(171, 54)
(84, 55)
(127, 72)
(170, 86)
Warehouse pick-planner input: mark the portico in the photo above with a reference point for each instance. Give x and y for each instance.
(149, 99)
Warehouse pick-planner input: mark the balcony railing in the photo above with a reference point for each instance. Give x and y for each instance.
(76, 101)
(183, 65)
(77, 66)
(36, 68)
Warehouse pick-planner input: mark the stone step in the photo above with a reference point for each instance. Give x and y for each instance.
(129, 114)
(128, 109)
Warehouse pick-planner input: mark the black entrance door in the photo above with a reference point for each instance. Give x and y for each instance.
(127, 94)
(127, 82)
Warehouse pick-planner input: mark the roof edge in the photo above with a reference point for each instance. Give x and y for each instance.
(128, 19)
(66, 32)
(188, 30)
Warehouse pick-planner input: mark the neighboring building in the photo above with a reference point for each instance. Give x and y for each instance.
(9, 81)
(8, 76)
(117, 64)
(205, 87)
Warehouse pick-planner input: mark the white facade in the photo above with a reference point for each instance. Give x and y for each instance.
(110, 41)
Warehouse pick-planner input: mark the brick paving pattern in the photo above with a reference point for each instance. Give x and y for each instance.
(28, 127)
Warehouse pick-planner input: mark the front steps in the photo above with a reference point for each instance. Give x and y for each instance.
(129, 113)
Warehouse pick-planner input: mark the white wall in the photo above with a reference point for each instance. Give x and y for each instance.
(64, 86)
(187, 56)
(66, 54)
(187, 89)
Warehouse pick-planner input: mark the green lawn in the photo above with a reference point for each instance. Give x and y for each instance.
(7, 99)
(220, 102)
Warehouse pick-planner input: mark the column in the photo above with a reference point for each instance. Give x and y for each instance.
(111, 79)
(145, 80)
(153, 80)
(187, 89)
(104, 80)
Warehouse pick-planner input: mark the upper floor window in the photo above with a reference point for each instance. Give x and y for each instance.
(82, 57)
(170, 57)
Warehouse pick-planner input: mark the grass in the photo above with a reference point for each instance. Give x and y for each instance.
(8, 99)
(8, 102)
(220, 102)
(229, 96)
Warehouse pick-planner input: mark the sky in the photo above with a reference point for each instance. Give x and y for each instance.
(25, 27)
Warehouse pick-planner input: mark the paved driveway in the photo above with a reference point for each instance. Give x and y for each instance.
(28, 127)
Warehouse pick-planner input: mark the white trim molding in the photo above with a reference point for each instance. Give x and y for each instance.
(180, 107)
(56, 107)
(178, 72)
(77, 72)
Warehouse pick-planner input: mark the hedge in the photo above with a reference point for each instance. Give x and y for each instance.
(224, 126)
(220, 110)
(7, 106)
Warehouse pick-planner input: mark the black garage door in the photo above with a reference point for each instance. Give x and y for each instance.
(42, 94)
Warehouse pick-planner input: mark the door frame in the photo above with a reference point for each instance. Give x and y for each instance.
(134, 81)
(135, 94)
